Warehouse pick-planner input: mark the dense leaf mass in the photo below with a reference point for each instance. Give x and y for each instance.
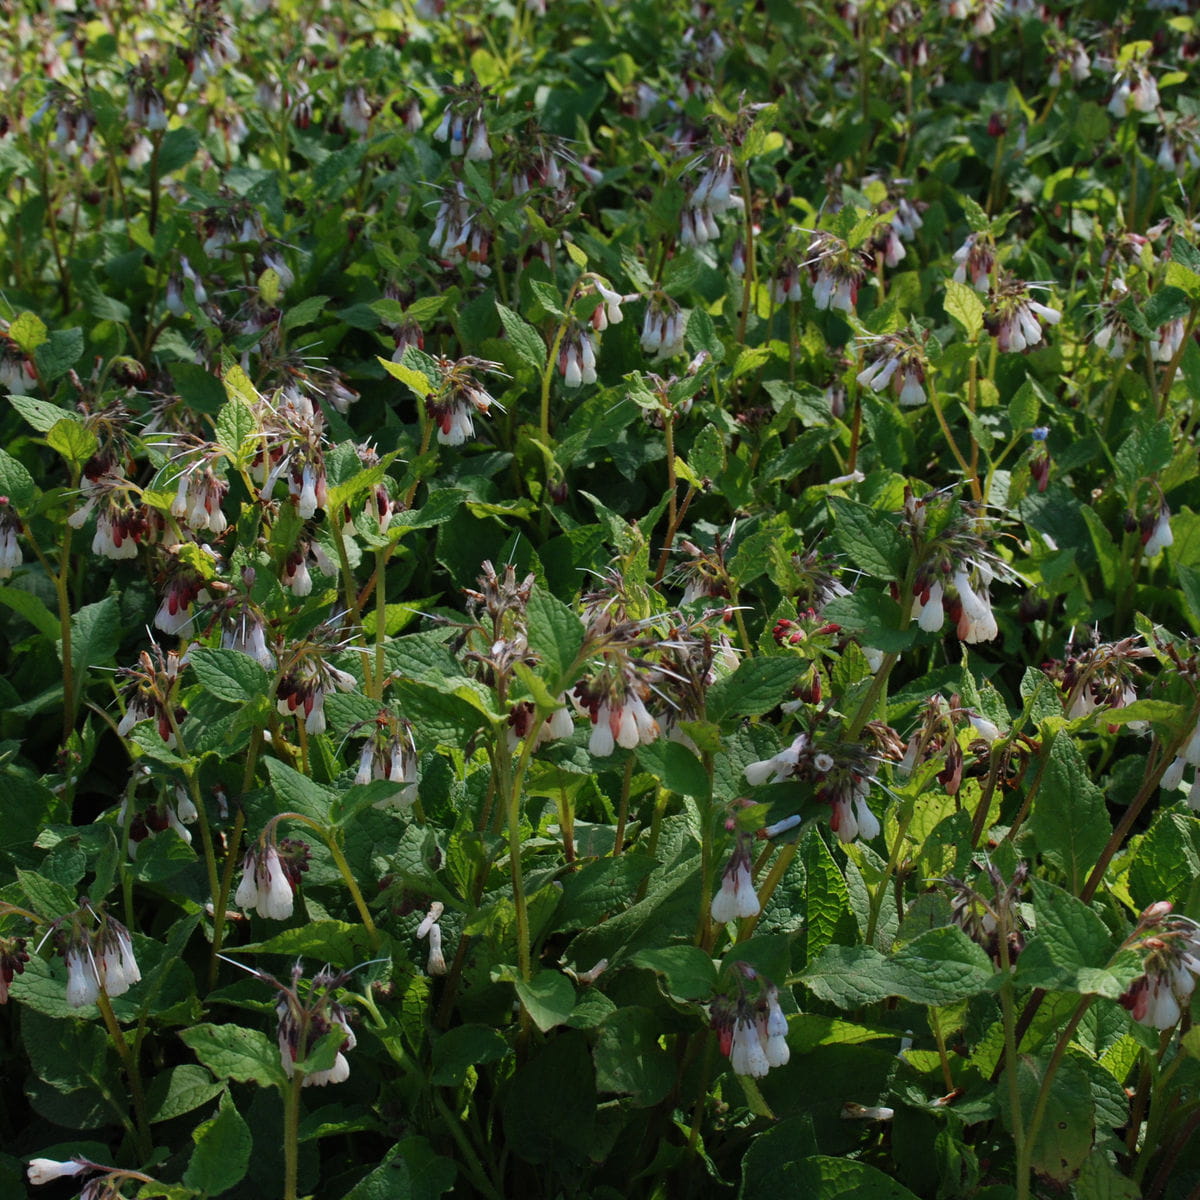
(600, 600)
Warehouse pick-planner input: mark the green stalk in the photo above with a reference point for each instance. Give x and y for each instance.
(876, 905)
(343, 867)
(291, 1132)
(1025, 1147)
(623, 809)
(970, 476)
(380, 623)
(145, 1143)
(1008, 1012)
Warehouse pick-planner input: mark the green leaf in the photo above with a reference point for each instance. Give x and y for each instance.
(1023, 407)
(1071, 948)
(34, 610)
(827, 900)
(222, 1151)
(416, 381)
(524, 338)
(180, 1090)
(15, 482)
(1167, 304)
(463, 1047)
(72, 440)
(40, 414)
(601, 888)
(707, 455)
(820, 1178)
(59, 354)
(233, 1052)
(411, 1170)
(46, 897)
(629, 1058)
(756, 687)
(235, 423)
(1064, 1140)
(549, 1107)
(965, 308)
(96, 631)
(1144, 453)
(774, 1155)
(1166, 862)
(178, 148)
(548, 998)
(28, 331)
(229, 674)
(296, 791)
(556, 636)
(305, 312)
(678, 769)
(338, 943)
(687, 972)
(1069, 821)
(868, 538)
(940, 966)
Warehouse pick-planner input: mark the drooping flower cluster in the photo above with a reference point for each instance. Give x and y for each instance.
(837, 272)
(150, 694)
(712, 194)
(10, 549)
(976, 258)
(956, 567)
(458, 396)
(987, 919)
(736, 897)
(898, 361)
(752, 1032)
(459, 234)
(308, 678)
(1012, 316)
(307, 1013)
(98, 959)
(271, 873)
(390, 753)
(463, 126)
(13, 957)
(840, 773)
(1100, 678)
(431, 928)
(1170, 948)
(662, 328)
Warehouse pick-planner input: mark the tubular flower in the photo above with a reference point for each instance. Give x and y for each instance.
(736, 896)
(307, 1013)
(751, 1032)
(269, 880)
(1170, 947)
(1012, 318)
(900, 362)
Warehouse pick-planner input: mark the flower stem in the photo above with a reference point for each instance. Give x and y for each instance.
(291, 1134)
(330, 840)
(145, 1143)
(1025, 1146)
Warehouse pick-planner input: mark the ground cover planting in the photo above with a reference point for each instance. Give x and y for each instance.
(599, 600)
